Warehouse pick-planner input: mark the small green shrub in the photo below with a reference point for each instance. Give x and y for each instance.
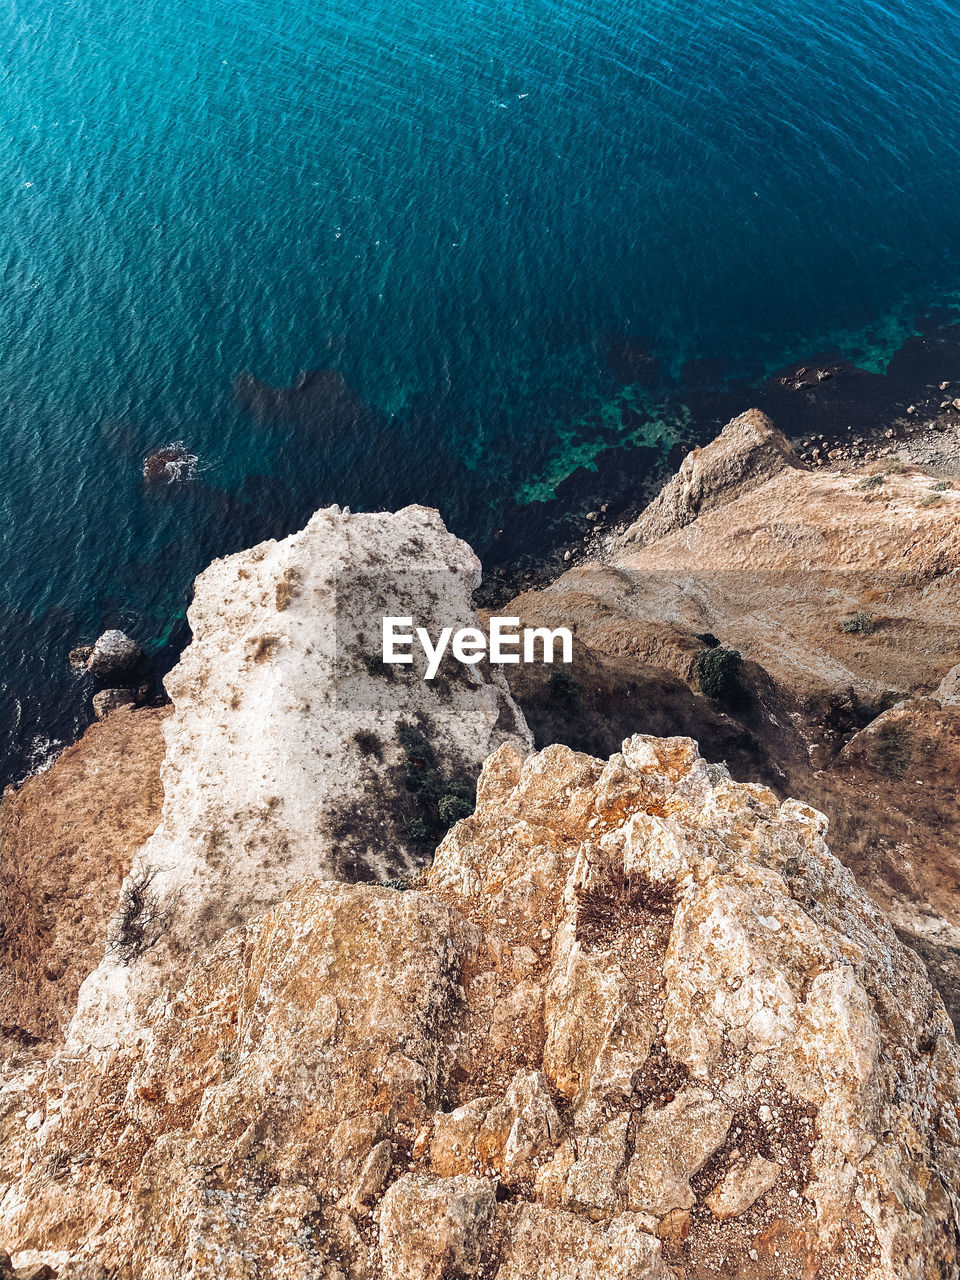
(452, 808)
(892, 752)
(441, 801)
(931, 500)
(861, 624)
(871, 482)
(368, 744)
(719, 674)
(941, 486)
(563, 687)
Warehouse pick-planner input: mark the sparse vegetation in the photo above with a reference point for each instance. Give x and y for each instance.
(563, 687)
(871, 482)
(288, 588)
(931, 500)
(617, 901)
(263, 648)
(143, 918)
(719, 673)
(441, 801)
(368, 744)
(892, 751)
(941, 486)
(861, 624)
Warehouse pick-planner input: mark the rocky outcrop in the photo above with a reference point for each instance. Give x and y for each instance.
(635, 1021)
(108, 700)
(841, 589)
(747, 452)
(825, 583)
(288, 752)
(948, 690)
(69, 837)
(114, 655)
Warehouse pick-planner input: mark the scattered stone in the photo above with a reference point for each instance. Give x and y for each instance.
(593, 515)
(945, 386)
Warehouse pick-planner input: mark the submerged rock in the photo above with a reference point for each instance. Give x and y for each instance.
(634, 1022)
(79, 657)
(114, 654)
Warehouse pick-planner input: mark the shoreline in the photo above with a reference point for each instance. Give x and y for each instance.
(848, 415)
(830, 410)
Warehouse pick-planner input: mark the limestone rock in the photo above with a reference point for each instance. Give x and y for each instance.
(747, 452)
(550, 1242)
(948, 691)
(108, 700)
(743, 1184)
(671, 1146)
(284, 756)
(114, 654)
(288, 1104)
(435, 1228)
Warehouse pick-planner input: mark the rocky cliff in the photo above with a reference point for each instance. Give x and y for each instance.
(634, 1021)
(285, 749)
(69, 838)
(840, 588)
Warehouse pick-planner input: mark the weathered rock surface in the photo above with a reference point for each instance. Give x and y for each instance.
(621, 985)
(282, 752)
(783, 571)
(841, 589)
(69, 836)
(79, 656)
(114, 654)
(108, 700)
(747, 452)
(948, 690)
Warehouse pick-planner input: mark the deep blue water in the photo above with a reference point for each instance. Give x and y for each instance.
(462, 208)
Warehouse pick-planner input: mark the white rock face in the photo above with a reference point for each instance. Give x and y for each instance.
(282, 757)
(114, 654)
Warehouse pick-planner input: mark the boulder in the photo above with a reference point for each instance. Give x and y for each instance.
(108, 700)
(80, 656)
(114, 654)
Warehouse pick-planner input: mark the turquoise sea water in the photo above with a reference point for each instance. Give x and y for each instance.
(463, 208)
